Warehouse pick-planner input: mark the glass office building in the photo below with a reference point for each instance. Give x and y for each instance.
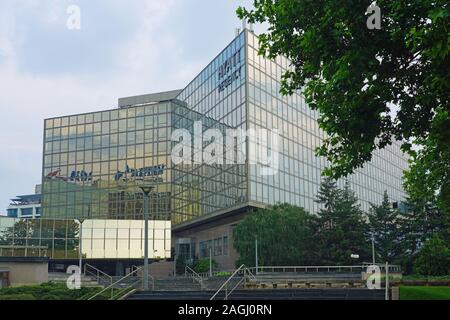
(300, 170)
(244, 93)
(241, 89)
(92, 161)
(88, 158)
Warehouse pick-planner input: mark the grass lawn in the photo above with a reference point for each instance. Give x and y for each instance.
(424, 293)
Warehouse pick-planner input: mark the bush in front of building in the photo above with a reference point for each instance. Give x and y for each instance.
(16, 297)
(203, 265)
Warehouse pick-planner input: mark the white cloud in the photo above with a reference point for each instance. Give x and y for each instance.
(26, 99)
(149, 59)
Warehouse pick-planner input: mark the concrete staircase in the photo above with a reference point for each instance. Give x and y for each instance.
(177, 284)
(307, 280)
(279, 294)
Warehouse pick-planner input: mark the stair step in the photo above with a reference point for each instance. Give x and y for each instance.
(292, 294)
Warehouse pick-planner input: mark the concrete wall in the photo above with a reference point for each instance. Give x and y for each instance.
(26, 273)
(162, 269)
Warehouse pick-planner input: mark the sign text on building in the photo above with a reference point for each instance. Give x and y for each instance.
(141, 173)
(230, 70)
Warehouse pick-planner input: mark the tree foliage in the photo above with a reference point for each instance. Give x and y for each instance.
(284, 237)
(288, 235)
(371, 87)
(434, 258)
(385, 229)
(340, 226)
(203, 265)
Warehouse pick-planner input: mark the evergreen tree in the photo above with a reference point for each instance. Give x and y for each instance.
(340, 225)
(384, 228)
(434, 257)
(418, 223)
(284, 233)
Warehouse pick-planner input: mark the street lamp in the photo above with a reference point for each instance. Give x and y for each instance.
(81, 220)
(146, 189)
(80, 263)
(373, 249)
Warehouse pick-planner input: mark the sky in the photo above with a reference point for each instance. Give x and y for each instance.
(122, 48)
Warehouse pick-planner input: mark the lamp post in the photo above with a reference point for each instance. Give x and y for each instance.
(210, 262)
(146, 189)
(256, 255)
(373, 249)
(80, 262)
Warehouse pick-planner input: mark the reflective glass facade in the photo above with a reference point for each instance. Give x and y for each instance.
(101, 239)
(300, 170)
(219, 94)
(252, 101)
(91, 161)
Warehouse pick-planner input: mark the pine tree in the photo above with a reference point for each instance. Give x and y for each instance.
(340, 225)
(418, 223)
(384, 226)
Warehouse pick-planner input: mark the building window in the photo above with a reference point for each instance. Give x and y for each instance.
(204, 249)
(218, 247)
(225, 246)
(12, 213)
(28, 212)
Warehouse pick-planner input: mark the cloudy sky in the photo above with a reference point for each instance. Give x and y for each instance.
(123, 48)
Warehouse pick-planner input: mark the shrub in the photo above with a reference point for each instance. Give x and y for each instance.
(46, 291)
(433, 258)
(9, 297)
(202, 265)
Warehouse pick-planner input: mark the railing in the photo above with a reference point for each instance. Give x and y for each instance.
(307, 269)
(116, 288)
(90, 270)
(221, 273)
(190, 273)
(150, 277)
(242, 270)
(391, 267)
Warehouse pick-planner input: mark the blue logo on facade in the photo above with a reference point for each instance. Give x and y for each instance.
(140, 173)
(80, 176)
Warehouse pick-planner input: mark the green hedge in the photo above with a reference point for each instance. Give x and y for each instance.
(5, 297)
(46, 291)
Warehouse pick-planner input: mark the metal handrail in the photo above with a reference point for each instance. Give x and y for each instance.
(135, 268)
(228, 280)
(247, 273)
(114, 284)
(296, 269)
(250, 274)
(194, 275)
(98, 273)
(121, 295)
(214, 273)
